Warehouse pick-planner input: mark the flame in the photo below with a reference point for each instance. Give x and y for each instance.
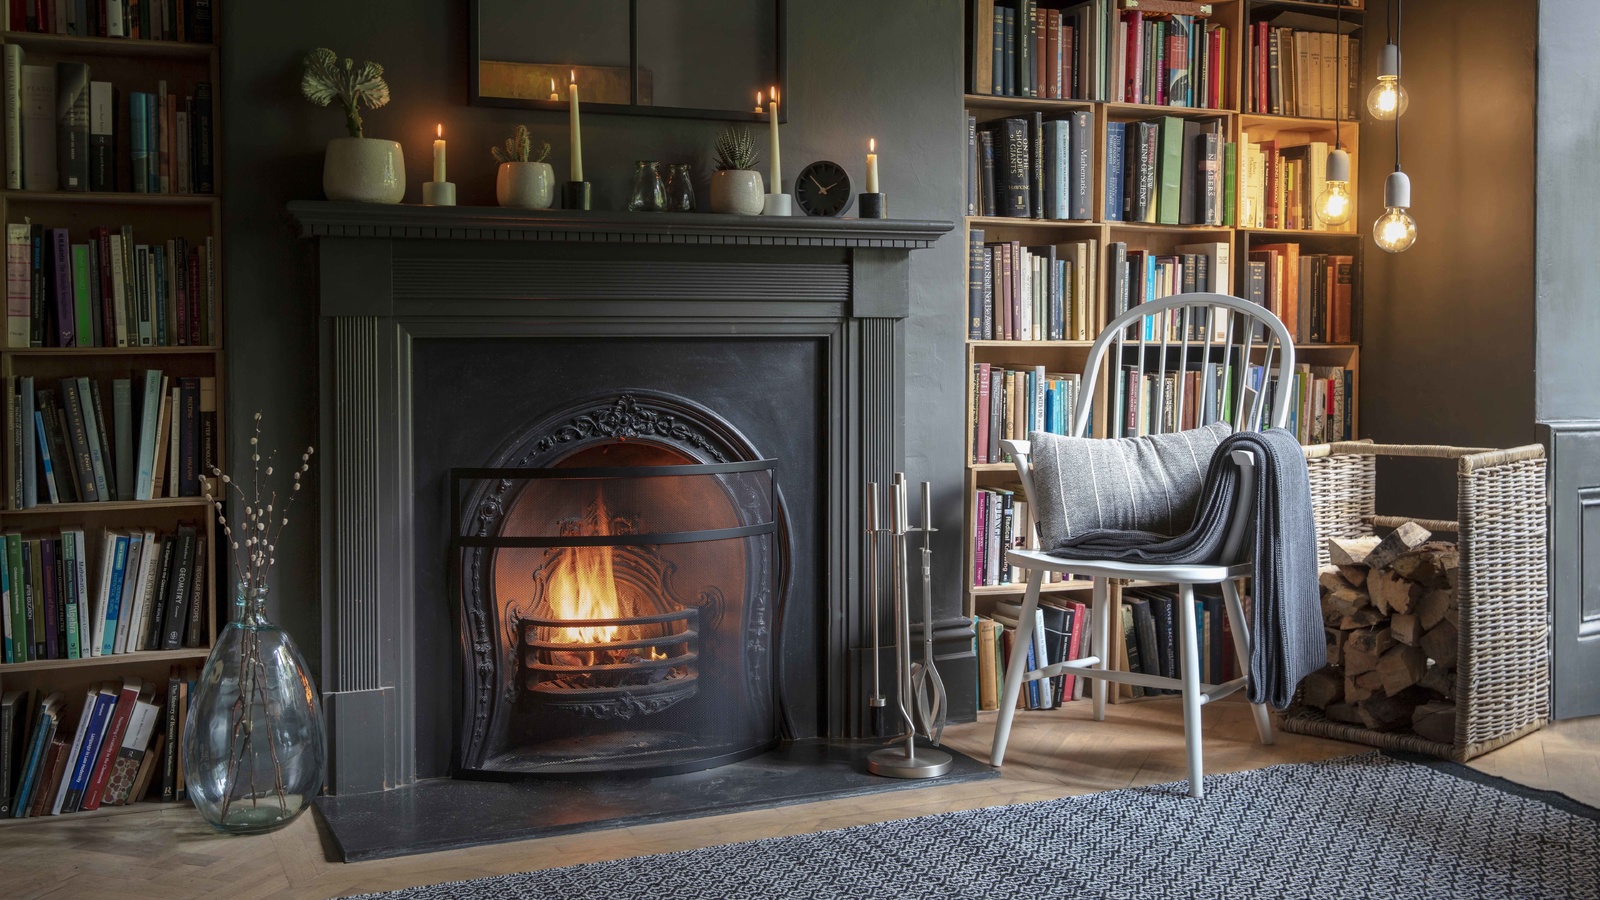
(574, 76)
(872, 145)
(774, 94)
(440, 131)
(583, 586)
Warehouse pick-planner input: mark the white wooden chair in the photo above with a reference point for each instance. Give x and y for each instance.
(1229, 335)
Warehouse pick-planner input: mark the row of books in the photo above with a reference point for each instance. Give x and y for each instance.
(159, 438)
(1164, 52)
(1009, 403)
(108, 290)
(153, 20)
(1001, 522)
(1298, 72)
(1031, 167)
(127, 738)
(1151, 623)
(1142, 276)
(1313, 293)
(1282, 179)
(1061, 633)
(1323, 409)
(1041, 293)
(134, 591)
(1170, 171)
(62, 132)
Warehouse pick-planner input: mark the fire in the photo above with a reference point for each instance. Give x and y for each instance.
(583, 585)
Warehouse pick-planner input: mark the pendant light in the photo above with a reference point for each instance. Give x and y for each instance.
(1395, 231)
(1387, 100)
(1333, 205)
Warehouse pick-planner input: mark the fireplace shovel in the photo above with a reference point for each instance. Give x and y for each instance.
(931, 709)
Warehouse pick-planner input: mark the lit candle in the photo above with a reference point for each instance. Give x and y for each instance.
(577, 136)
(438, 157)
(553, 94)
(759, 107)
(777, 167)
(872, 165)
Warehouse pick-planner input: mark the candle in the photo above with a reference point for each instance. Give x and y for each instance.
(872, 165)
(553, 94)
(777, 167)
(577, 136)
(438, 156)
(760, 108)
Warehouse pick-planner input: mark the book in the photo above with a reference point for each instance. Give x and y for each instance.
(139, 141)
(102, 135)
(38, 116)
(130, 753)
(177, 598)
(121, 715)
(13, 86)
(72, 126)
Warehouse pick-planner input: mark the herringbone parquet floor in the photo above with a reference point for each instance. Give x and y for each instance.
(171, 855)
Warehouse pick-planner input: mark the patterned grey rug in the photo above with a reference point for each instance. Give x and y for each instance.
(1363, 826)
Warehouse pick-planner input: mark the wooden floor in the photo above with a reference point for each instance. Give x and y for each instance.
(172, 855)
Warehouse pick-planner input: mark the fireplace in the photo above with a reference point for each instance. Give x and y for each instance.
(616, 595)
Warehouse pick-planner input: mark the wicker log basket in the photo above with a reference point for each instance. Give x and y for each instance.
(1502, 686)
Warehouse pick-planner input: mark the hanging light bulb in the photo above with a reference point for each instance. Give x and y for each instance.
(1395, 231)
(1387, 100)
(1333, 206)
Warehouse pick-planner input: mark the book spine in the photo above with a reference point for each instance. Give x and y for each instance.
(1082, 145)
(50, 576)
(975, 261)
(39, 128)
(87, 335)
(102, 129)
(162, 587)
(113, 739)
(169, 762)
(194, 635)
(13, 86)
(177, 602)
(1015, 167)
(139, 141)
(19, 281)
(71, 599)
(78, 436)
(1115, 153)
(114, 590)
(72, 126)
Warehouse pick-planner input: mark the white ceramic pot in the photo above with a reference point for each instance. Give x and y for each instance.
(525, 185)
(737, 191)
(365, 170)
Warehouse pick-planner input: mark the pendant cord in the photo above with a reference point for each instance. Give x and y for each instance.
(1338, 74)
(1398, 8)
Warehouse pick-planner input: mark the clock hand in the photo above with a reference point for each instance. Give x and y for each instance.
(818, 183)
(834, 185)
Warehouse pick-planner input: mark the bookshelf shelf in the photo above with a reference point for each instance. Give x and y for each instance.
(1038, 224)
(1296, 123)
(1303, 233)
(1143, 110)
(111, 198)
(1158, 228)
(1313, 6)
(1011, 590)
(1030, 345)
(109, 351)
(144, 806)
(110, 507)
(187, 654)
(989, 101)
(64, 44)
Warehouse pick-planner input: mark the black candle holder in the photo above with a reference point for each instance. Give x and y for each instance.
(872, 206)
(575, 195)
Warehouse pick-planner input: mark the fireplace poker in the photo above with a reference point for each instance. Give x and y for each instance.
(927, 687)
(874, 525)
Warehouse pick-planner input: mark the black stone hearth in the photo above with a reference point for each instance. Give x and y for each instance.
(447, 814)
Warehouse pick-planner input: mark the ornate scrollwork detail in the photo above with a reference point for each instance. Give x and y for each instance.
(627, 419)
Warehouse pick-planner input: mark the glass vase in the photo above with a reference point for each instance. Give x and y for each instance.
(680, 189)
(649, 194)
(254, 754)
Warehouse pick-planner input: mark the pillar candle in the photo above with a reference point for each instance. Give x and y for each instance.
(872, 166)
(438, 157)
(553, 94)
(760, 107)
(577, 136)
(777, 166)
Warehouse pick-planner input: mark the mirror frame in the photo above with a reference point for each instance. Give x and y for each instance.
(476, 98)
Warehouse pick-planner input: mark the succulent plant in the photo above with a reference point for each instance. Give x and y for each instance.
(519, 148)
(736, 148)
(354, 86)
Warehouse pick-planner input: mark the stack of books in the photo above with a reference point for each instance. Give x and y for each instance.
(151, 20)
(1009, 403)
(1039, 293)
(1061, 633)
(1170, 171)
(1031, 167)
(1313, 293)
(1282, 179)
(1299, 69)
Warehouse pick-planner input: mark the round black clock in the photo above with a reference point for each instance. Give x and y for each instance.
(823, 189)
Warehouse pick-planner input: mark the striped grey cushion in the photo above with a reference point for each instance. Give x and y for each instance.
(1149, 483)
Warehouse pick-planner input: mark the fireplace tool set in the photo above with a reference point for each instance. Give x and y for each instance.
(919, 691)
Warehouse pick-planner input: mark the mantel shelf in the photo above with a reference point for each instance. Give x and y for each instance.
(319, 218)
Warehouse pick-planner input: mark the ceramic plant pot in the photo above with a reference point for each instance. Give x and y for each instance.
(365, 170)
(737, 191)
(525, 185)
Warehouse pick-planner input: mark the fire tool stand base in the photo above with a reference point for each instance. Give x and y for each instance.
(891, 762)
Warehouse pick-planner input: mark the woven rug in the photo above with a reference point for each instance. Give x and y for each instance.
(1362, 826)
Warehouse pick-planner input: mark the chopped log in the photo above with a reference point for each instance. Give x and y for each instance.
(1343, 712)
(1391, 593)
(1407, 537)
(1433, 606)
(1335, 639)
(1330, 579)
(1406, 627)
(1322, 687)
(1355, 691)
(1440, 680)
(1401, 667)
(1351, 551)
(1427, 564)
(1364, 617)
(1440, 643)
(1373, 641)
(1381, 712)
(1343, 602)
(1371, 681)
(1361, 653)
(1356, 575)
(1435, 721)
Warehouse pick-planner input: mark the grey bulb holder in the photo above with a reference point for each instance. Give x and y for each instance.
(1389, 61)
(1338, 166)
(1397, 191)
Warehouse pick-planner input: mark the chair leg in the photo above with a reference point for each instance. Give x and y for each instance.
(1101, 621)
(1241, 647)
(1016, 668)
(1190, 650)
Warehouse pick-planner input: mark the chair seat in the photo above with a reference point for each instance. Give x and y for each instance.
(1189, 574)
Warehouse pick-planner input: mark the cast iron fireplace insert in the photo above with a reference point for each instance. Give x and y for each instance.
(616, 619)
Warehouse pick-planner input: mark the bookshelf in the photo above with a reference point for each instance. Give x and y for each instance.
(1238, 125)
(130, 65)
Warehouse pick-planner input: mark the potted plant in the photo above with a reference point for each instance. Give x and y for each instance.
(524, 181)
(736, 187)
(355, 167)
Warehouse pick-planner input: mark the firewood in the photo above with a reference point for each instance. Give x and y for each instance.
(1343, 602)
(1370, 681)
(1362, 618)
(1322, 687)
(1433, 606)
(1335, 639)
(1427, 564)
(1408, 536)
(1390, 593)
(1373, 641)
(1407, 628)
(1435, 721)
(1401, 667)
(1381, 712)
(1440, 643)
(1361, 653)
(1440, 680)
(1330, 579)
(1355, 691)
(1355, 575)
(1351, 551)
(1343, 712)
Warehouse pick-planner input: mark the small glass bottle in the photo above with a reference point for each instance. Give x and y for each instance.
(680, 189)
(649, 194)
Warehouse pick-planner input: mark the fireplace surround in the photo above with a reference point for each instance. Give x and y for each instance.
(792, 329)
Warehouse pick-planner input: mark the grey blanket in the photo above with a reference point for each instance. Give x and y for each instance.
(1286, 614)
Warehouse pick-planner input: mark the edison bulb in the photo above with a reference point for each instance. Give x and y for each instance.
(1387, 100)
(1333, 205)
(1395, 230)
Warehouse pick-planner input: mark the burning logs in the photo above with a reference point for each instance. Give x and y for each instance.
(1390, 611)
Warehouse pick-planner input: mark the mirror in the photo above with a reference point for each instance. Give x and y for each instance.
(687, 58)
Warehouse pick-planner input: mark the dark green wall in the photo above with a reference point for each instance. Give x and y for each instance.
(890, 71)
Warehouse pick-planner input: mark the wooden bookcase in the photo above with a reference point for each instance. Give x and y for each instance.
(130, 65)
(1071, 356)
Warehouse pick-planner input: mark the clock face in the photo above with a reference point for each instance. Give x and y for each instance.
(823, 189)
